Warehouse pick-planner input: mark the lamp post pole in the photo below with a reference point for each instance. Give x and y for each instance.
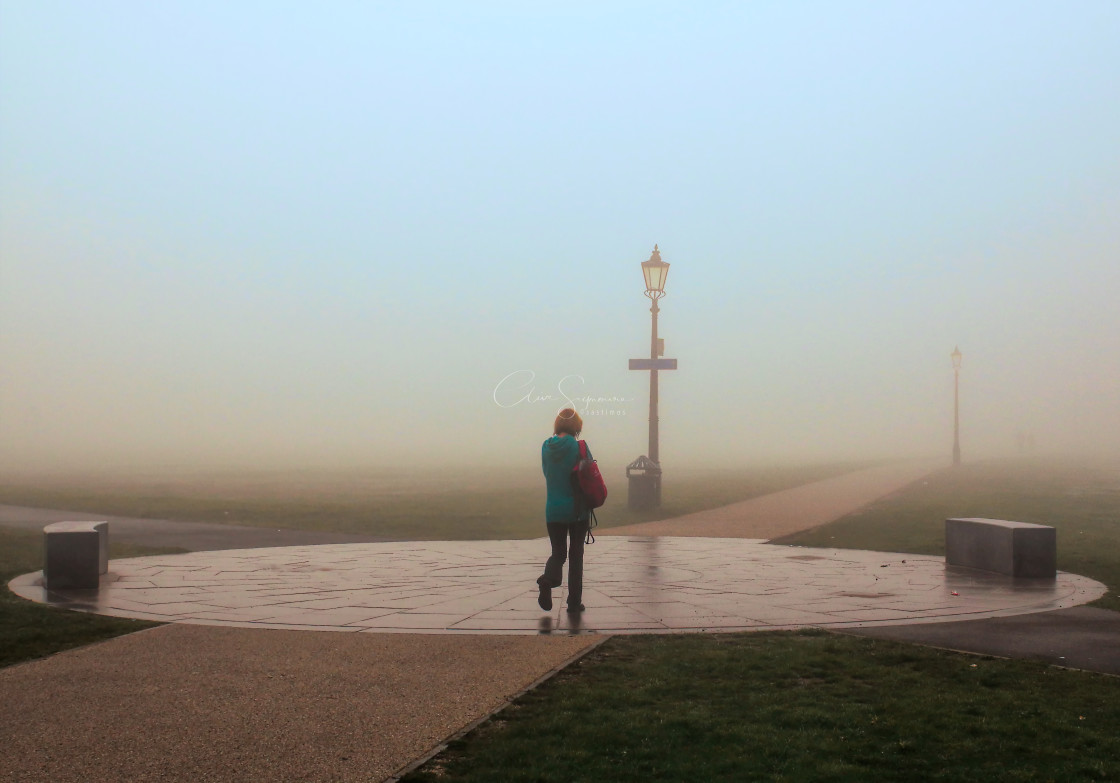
(956, 357)
(644, 473)
(653, 352)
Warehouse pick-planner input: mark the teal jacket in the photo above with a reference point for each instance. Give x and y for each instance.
(559, 454)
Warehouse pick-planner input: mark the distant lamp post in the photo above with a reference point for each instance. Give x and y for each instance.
(956, 357)
(644, 473)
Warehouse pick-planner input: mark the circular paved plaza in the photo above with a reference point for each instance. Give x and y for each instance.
(634, 584)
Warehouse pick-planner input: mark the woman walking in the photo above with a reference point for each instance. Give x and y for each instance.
(565, 519)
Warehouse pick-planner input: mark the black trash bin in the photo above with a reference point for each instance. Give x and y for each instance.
(644, 478)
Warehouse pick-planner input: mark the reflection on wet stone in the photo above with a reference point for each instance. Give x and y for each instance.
(633, 584)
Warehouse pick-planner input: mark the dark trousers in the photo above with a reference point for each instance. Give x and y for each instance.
(559, 533)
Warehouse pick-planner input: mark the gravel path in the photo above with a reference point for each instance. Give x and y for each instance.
(196, 703)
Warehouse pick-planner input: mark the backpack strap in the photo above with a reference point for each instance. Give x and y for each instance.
(584, 453)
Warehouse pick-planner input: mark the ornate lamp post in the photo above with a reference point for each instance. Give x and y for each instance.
(644, 473)
(956, 357)
(655, 272)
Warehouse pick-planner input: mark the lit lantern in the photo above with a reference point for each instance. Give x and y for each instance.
(655, 271)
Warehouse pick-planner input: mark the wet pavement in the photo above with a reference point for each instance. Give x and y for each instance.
(1083, 637)
(634, 584)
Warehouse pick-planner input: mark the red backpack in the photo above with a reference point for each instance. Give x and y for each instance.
(587, 478)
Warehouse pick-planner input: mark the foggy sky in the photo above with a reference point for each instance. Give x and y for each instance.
(238, 234)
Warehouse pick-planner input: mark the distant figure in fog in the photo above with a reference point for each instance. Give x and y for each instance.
(565, 519)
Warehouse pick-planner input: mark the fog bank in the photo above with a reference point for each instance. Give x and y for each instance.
(353, 237)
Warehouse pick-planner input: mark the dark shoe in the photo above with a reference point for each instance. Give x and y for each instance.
(545, 597)
(575, 608)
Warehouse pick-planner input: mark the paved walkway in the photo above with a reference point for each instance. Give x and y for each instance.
(1082, 637)
(635, 584)
(792, 510)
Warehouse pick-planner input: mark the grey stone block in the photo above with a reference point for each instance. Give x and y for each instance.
(1012, 548)
(76, 554)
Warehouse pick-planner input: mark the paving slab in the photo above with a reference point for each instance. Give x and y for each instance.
(634, 584)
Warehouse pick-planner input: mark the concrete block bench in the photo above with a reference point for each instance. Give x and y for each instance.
(76, 554)
(1011, 548)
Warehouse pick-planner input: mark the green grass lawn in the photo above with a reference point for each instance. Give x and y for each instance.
(29, 630)
(1081, 500)
(462, 506)
(806, 706)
